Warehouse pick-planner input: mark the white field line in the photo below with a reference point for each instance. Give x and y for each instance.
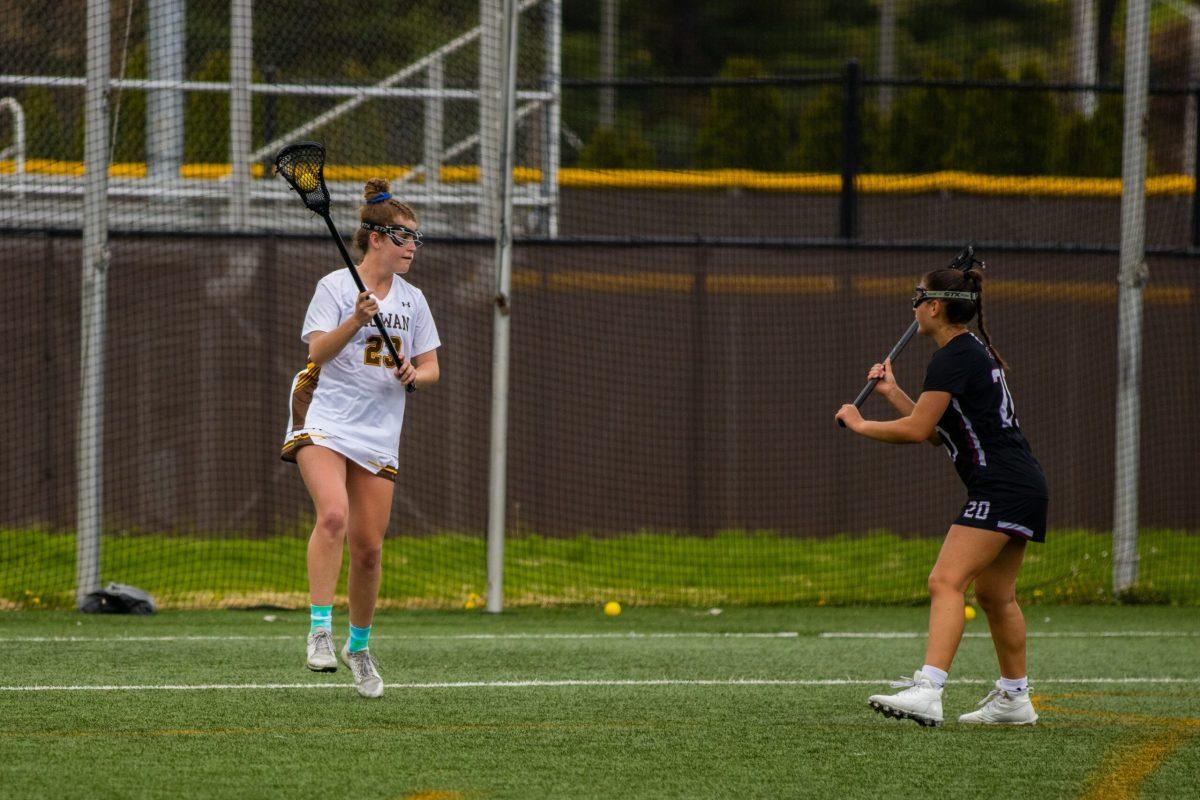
(536, 684)
(608, 636)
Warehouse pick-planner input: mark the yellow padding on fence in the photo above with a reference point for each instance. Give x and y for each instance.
(691, 180)
(672, 282)
(583, 281)
(625, 283)
(770, 284)
(1073, 291)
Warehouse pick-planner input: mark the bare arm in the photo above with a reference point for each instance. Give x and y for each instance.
(325, 345)
(422, 371)
(918, 426)
(891, 391)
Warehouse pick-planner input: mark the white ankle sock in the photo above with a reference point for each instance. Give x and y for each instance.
(938, 676)
(1013, 685)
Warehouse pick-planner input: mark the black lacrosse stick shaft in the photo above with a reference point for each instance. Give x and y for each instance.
(895, 351)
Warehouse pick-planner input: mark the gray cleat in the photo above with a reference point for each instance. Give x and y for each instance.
(320, 651)
(365, 670)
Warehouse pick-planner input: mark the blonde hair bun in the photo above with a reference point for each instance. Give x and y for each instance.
(375, 186)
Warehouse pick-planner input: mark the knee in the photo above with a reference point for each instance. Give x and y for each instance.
(331, 523)
(367, 557)
(993, 601)
(941, 583)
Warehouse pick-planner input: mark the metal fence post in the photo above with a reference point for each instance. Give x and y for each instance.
(1129, 305)
(93, 303)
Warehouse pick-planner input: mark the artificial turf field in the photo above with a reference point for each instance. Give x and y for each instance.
(751, 702)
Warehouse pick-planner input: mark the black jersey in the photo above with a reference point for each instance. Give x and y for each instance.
(980, 426)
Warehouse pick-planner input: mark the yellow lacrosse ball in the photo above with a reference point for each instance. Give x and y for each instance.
(306, 180)
(612, 608)
(969, 612)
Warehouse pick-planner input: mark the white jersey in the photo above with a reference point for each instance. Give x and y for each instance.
(355, 395)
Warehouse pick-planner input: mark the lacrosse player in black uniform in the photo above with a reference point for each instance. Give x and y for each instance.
(966, 407)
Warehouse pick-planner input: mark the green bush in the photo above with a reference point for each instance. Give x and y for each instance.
(926, 125)
(1008, 132)
(744, 127)
(1092, 147)
(616, 149)
(206, 115)
(48, 135)
(819, 135)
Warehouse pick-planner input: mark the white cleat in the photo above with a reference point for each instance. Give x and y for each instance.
(321, 657)
(365, 670)
(920, 701)
(1003, 708)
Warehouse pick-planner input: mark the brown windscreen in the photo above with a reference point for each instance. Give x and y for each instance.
(671, 422)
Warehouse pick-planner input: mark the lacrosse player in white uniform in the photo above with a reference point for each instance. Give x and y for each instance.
(347, 409)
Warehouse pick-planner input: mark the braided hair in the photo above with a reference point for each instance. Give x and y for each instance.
(960, 312)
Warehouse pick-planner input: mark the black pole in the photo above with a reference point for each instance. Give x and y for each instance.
(851, 136)
(1196, 174)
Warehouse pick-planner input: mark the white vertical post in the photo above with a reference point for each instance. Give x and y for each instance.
(241, 74)
(608, 61)
(1083, 28)
(18, 145)
(166, 43)
(434, 125)
(554, 113)
(490, 69)
(498, 484)
(1132, 279)
(887, 51)
(93, 302)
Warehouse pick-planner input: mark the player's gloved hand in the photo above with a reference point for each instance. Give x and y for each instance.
(366, 308)
(887, 381)
(406, 373)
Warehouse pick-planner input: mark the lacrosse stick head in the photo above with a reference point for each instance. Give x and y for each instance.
(302, 165)
(966, 260)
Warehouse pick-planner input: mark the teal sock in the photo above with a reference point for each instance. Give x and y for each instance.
(358, 638)
(321, 617)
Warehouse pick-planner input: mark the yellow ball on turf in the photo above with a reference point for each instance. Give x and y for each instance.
(969, 612)
(612, 608)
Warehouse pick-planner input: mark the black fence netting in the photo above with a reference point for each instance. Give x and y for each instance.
(705, 267)
(672, 433)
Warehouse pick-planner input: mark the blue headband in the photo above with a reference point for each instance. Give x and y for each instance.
(379, 198)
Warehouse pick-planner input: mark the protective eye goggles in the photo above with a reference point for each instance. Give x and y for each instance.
(921, 294)
(399, 234)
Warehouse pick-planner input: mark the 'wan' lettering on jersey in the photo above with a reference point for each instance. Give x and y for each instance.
(397, 322)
